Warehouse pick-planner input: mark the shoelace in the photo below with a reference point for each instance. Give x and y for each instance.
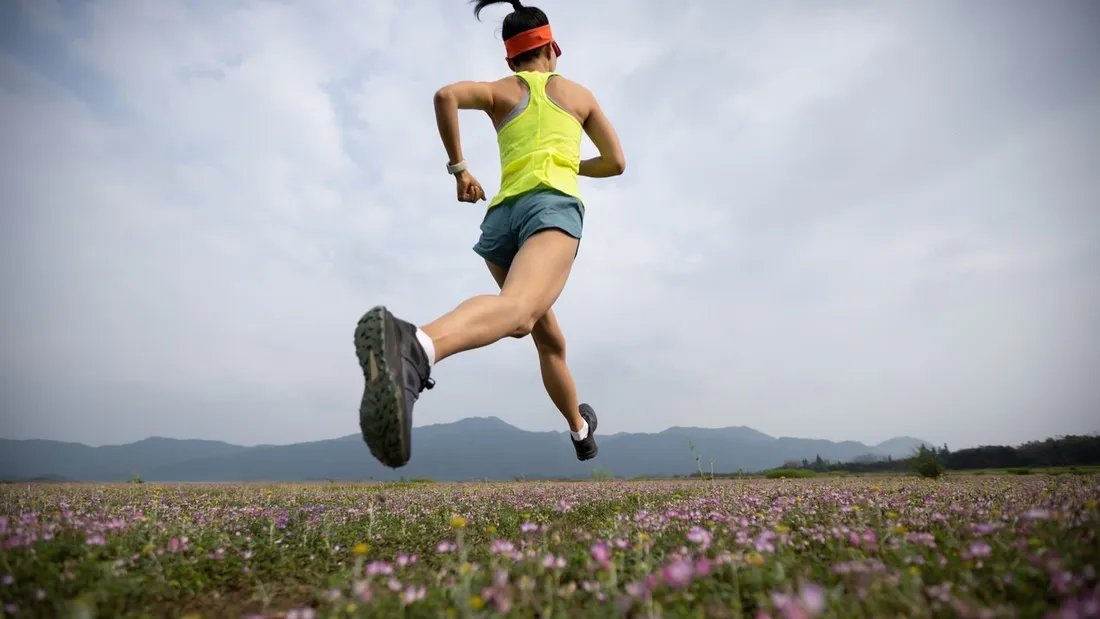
(425, 383)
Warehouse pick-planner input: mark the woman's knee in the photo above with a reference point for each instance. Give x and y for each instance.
(548, 337)
(525, 315)
(525, 328)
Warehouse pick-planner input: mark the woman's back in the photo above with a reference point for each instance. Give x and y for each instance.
(508, 92)
(539, 118)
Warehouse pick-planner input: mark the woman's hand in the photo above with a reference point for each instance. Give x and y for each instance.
(469, 190)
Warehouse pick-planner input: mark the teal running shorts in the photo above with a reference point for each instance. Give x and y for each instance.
(509, 224)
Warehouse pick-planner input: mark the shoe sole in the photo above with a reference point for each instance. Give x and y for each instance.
(592, 433)
(382, 409)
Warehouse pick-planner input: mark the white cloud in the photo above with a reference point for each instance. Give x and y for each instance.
(837, 221)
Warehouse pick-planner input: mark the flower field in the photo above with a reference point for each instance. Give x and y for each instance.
(962, 546)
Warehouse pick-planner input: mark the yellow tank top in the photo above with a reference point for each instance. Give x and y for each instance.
(540, 144)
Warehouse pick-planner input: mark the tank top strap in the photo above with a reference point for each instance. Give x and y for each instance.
(536, 82)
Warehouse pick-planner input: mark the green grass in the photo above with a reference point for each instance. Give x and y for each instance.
(842, 546)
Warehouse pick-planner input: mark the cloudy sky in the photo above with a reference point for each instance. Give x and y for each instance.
(845, 220)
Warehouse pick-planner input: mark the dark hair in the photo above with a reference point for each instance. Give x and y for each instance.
(521, 19)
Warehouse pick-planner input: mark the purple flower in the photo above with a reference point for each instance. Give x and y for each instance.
(702, 566)
(177, 544)
(700, 536)
(362, 591)
(413, 594)
(1036, 513)
(375, 568)
(601, 553)
(869, 539)
(980, 549)
(924, 539)
(677, 574)
(809, 602)
(812, 599)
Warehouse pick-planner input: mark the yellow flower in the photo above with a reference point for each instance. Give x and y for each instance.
(350, 608)
(476, 602)
(458, 522)
(755, 559)
(643, 537)
(891, 514)
(490, 529)
(148, 547)
(360, 549)
(465, 568)
(914, 570)
(900, 530)
(1090, 504)
(781, 528)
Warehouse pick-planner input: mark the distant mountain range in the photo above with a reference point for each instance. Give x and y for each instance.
(470, 449)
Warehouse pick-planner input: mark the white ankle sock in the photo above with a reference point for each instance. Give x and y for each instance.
(427, 344)
(582, 434)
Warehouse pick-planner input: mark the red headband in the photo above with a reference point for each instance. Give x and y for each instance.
(529, 40)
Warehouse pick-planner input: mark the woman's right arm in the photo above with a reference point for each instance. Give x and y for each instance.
(611, 161)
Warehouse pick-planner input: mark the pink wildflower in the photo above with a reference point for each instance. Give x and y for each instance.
(677, 574)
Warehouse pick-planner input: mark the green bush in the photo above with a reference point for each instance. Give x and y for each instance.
(789, 473)
(1018, 471)
(599, 474)
(928, 466)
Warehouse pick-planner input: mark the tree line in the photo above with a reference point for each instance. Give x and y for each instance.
(1073, 450)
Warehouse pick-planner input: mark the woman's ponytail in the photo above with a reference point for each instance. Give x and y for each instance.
(481, 4)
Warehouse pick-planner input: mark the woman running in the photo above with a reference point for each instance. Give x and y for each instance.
(529, 237)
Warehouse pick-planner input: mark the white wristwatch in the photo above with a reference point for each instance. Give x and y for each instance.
(456, 168)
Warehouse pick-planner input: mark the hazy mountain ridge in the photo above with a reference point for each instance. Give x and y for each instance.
(472, 448)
